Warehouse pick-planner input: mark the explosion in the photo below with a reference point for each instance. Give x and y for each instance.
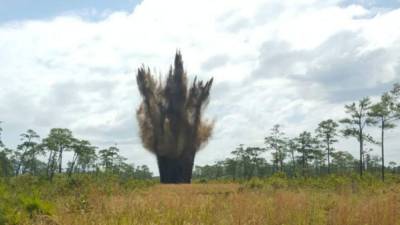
(170, 120)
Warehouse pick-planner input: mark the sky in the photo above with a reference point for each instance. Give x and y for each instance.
(72, 64)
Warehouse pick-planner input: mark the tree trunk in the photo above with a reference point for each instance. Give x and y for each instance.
(19, 166)
(329, 154)
(71, 169)
(60, 161)
(294, 164)
(361, 140)
(33, 164)
(18, 169)
(49, 163)
(53, 166)
(383, 150)
(304, 163)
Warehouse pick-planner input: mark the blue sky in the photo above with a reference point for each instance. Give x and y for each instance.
(14, 10)
(375, 3)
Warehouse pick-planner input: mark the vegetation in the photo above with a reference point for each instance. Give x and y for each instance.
(105, 199)
(315, 155)
(356, 124)
(385, 113)
(308, 180)
(28, 158)
(327, 132)
(28, 199)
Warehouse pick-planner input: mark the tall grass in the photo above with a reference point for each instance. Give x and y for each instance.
(275, 201)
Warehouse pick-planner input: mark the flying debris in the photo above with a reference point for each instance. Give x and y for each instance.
(170, 120)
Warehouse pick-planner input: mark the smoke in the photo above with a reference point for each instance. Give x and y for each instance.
(170, 115)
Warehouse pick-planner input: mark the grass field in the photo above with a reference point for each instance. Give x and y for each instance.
(273, 201)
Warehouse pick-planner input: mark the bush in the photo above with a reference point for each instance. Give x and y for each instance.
(35, 206)
(255, 183)
(278, 180)
(18, 204)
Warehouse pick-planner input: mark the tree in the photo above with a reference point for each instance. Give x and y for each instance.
(318, 156)
(109, 158)
(138, 172)
(392, 166)
(291, 148)
(248, 159)
(276, 143)
(86, 158)
(83, 151)
(395, 92)
(327, 132)
(143, 172)
(58, 141)
(1, 142)
(231, 168)
(6, 165)
(29, 149)
(118, 164)
(305, 146)
(356, 123)
(385, 113)
(19, 156)
(342, 160)
(170, 120)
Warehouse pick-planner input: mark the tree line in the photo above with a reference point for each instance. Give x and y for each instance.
(308, 154)
(314, 153)
(44, 157)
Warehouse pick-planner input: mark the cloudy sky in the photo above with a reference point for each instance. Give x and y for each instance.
(72, 64)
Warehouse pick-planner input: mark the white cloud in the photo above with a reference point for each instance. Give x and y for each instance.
(274, 62)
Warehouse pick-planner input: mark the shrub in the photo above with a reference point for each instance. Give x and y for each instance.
(35, 206)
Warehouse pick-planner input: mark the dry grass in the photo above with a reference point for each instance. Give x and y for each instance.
(230, 204)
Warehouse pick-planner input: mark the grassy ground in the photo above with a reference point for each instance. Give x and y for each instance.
(341, 201)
